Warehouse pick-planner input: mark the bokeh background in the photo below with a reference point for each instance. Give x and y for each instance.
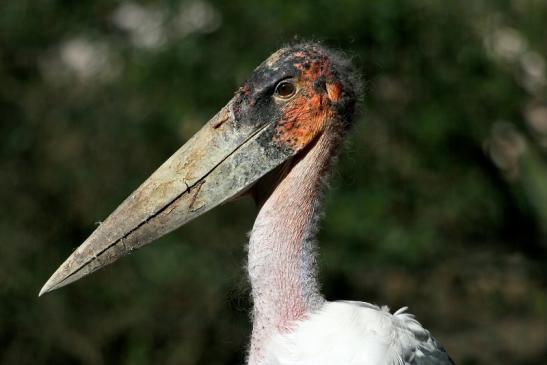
(439, 201)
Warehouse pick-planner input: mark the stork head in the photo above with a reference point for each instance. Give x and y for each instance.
(297, 94)
(301, 89)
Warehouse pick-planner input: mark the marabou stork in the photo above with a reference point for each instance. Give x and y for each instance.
(275, 140)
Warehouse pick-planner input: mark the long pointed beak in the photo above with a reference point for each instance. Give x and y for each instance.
(220, 161)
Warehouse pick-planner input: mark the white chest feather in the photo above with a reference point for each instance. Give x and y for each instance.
(355, 333)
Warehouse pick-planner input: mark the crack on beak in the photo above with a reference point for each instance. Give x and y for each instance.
(194, 198)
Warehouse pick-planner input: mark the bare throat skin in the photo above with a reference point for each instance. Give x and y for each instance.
(283, 255)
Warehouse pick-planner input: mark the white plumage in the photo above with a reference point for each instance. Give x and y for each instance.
(356, 333)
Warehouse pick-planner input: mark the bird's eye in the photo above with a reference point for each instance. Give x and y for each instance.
(285, 89)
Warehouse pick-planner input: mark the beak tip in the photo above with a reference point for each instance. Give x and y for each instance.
(54, 282)
(48, 286)
(44, 290)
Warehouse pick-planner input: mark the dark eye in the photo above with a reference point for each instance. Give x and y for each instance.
(285, 89)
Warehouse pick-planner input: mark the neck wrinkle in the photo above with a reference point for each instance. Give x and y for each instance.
(283, 255)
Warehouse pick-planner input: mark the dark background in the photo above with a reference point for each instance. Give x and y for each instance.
(439, 201)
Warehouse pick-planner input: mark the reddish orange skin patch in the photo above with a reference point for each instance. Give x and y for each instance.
(301, 122)
(305, 116)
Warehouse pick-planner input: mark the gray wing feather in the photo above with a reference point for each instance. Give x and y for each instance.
(423, 349)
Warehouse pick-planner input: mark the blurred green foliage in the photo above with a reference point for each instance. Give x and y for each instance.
(438, 202)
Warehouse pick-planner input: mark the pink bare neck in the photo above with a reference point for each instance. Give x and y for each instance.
(282, 256)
